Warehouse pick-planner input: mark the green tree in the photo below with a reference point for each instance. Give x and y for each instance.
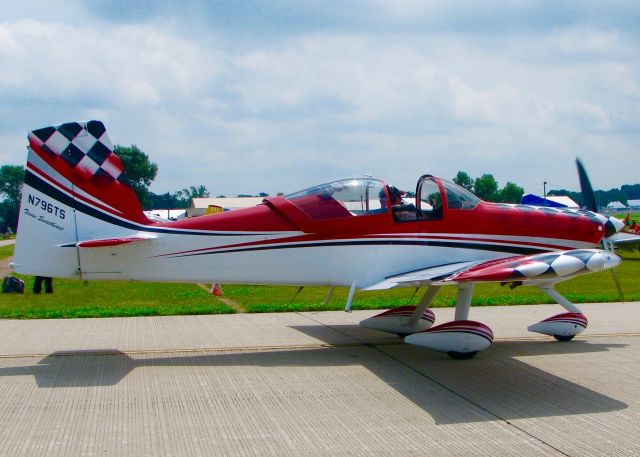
(511, 193)
(190, 192)
(8, 216)
(464, 180)
(486, 187)
(166, 201)
(140, 171)
(632, 192)
(11, 180)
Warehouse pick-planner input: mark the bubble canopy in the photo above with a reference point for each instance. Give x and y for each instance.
(342, 198)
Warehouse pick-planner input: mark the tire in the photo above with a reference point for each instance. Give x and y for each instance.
(461, 355)
(563, 337)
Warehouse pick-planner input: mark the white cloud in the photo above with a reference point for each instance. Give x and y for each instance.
(289, 110)
(136, 65)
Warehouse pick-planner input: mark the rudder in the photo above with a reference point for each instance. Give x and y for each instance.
(75, 189)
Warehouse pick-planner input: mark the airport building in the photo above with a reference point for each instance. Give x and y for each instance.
(633, 204)
(200, 206)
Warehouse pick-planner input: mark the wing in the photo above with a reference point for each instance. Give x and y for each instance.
(426, 276)
(533, 269)
(553, 267)
(625, 240)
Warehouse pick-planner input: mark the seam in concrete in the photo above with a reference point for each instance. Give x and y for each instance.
(239, 349)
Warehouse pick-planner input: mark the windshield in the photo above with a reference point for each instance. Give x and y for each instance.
(459, 197)
(342, 198)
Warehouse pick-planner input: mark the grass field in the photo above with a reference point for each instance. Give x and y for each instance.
(6, 251)
(116, 298)
(107, 299)
(596, 287)
(632, 216)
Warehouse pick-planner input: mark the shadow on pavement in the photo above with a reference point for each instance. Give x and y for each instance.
(496, 384)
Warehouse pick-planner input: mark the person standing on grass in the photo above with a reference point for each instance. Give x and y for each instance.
(48, 284)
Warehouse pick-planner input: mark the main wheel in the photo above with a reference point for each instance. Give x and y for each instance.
(461, 355)
(563, 337)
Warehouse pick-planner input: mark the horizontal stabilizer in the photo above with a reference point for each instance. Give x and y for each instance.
(107, 242)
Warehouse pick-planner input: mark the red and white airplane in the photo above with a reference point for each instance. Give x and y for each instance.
(81, 219)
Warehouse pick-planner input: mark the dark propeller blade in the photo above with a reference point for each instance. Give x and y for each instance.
(617, 283)
(588, 196)
(608, 246)
(589, 201)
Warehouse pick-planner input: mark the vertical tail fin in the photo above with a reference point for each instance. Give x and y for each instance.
(82, 153)
(75, 189)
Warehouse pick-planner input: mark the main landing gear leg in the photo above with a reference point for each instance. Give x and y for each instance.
(563, 327)
(461, 338)
(352, 291)
(463, 305)
(327, 297)
(405, 320)
(423, 306)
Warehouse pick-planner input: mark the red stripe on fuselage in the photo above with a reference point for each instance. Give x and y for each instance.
(64, 188)
(555, 231)
(488, 222)
(315, 238)
(112, 193)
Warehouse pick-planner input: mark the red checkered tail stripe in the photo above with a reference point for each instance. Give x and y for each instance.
(82, 153)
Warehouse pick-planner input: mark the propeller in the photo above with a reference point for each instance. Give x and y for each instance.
(588, 195)
(612, 225)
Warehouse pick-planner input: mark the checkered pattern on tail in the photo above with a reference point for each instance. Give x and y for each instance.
(86, 148)
(81, 153)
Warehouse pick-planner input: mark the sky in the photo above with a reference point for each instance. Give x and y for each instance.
(276, 96)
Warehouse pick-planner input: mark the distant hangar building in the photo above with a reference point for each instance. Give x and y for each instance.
(200, 206)
(633, 204)
(161, 215)
(616, 206)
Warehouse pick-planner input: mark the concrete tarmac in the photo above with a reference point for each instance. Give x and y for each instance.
(316, 384)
